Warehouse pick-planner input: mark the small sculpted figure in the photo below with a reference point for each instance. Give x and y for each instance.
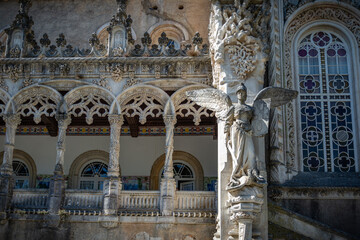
(242, 123)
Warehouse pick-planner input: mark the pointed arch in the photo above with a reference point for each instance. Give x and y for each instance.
(143, 101)
(35, 100)
(89, 101)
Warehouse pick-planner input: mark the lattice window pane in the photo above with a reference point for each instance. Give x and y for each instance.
(327, 129)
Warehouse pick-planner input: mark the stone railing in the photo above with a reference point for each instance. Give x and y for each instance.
(76, 199)
(139, 201)
(191, 201)
(30, 199)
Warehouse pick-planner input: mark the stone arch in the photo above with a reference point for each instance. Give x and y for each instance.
(103, 34)
(185, 107)
(82, 160)
(143, 101)
(29, 161)
(35, 100)
(90, 101)
(343, 19)
(173, 30)
(182, 156)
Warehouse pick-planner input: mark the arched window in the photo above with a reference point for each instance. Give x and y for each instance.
(24, 169)
(188, 172)
(326, 118)
(88, 170)
(92, 175)
(21, 174)
(184, 176)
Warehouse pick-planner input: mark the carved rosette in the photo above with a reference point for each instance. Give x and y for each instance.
(12, 122)
(116, 121)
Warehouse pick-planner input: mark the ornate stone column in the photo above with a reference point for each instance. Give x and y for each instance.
(168, 184)
(237, 37)
(112, 185)
(57, 183)
(6, 180)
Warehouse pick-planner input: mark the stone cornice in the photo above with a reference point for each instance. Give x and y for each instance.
(312, 193)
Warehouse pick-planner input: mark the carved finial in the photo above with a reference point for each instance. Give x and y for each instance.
(94, 40)
(61, 41)
(163, 40)
(25, 5)
(45, 41)
(146, 40)
(197, 40)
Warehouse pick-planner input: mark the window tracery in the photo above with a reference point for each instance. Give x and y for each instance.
(93, 175)
(327, 125)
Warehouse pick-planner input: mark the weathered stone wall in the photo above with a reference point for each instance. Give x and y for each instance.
(340, 214)
(37, 230)
(78, 19)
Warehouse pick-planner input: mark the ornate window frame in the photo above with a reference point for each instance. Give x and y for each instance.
(181, 156)
(28, 161)
(337, 20)
(81, 161)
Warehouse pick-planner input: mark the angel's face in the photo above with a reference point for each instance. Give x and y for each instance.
(241, 95)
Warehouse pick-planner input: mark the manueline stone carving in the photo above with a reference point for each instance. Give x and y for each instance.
(242, 121)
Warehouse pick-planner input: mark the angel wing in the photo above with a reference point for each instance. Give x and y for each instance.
(266, 99)
(279, 96)
(212, 99)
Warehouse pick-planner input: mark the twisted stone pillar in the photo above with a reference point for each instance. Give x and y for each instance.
(57, 183)
(112, 185)
(168, 184)
(6, 180)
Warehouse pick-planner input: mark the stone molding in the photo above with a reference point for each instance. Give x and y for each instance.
(312, 193)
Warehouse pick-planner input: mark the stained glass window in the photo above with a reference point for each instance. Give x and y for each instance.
(327, 127)
(92, 176)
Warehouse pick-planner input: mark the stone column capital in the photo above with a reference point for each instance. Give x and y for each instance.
(63, 119)
(169, 120)
(12, 120)
(117, 119)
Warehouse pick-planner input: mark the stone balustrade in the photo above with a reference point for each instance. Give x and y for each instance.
(139, 200)
(83, 199)
(30, 199)
(195, 201)
(129, 201)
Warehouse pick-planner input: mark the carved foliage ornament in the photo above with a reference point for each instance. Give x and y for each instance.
(335, 13)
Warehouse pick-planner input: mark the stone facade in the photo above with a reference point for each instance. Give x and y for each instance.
(209, 119)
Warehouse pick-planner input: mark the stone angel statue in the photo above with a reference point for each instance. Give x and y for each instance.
(242, 122)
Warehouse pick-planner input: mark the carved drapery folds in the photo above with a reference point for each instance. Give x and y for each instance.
(12, 121)
(116, 121)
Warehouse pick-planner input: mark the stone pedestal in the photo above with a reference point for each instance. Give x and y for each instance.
(56, 193)
(244, 205)
(167, 196)
(6, 189)
(111, 190)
